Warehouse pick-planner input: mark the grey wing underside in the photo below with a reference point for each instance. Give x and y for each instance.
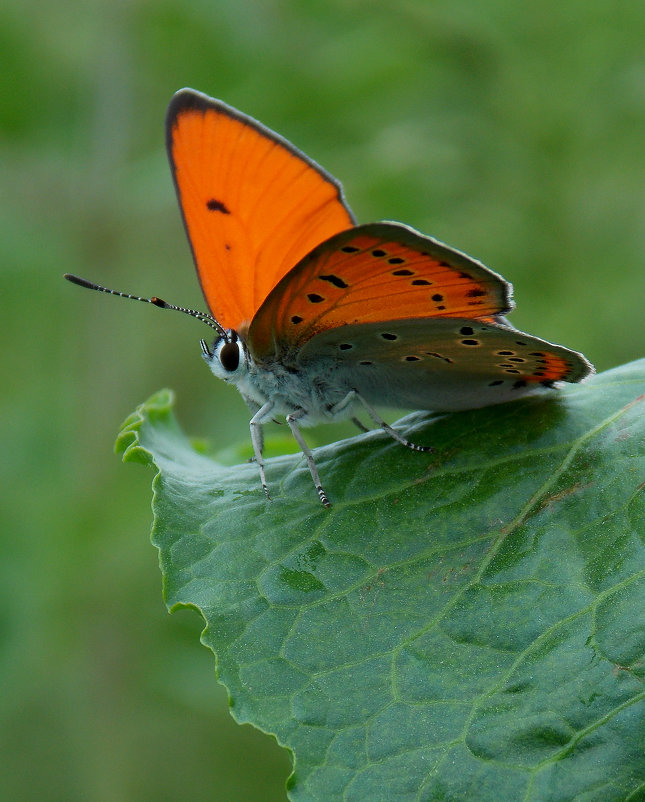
(438, 364)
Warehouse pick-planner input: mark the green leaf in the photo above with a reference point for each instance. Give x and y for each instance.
(468, 624)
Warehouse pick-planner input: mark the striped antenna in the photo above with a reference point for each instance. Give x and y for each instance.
(203, 316)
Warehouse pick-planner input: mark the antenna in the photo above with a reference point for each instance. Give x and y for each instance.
(203, 316)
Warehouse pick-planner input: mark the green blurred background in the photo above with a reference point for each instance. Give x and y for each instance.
(512, 131)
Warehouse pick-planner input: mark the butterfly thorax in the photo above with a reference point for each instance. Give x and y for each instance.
(289, 387)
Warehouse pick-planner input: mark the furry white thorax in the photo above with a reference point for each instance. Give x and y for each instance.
(289, 389)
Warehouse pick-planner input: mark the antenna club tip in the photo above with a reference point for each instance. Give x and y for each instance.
(78, 280)
(158, 302)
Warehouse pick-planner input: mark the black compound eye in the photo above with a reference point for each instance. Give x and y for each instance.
(229, 356)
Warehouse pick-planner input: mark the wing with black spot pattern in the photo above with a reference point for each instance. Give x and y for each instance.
(439, 364)
(378, 271)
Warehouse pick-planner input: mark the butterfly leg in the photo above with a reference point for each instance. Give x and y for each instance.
(257, 440)
(291, 420)
(253, 409)
(387, 428)
(359, 424)
(341, 406)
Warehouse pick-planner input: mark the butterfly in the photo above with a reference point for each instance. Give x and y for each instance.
(316, 317)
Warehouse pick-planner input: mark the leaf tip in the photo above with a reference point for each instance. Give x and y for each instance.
(127, 443)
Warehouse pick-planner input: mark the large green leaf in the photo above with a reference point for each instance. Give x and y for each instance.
(463, 625)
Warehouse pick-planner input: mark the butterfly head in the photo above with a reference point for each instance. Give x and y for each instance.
(228, 358)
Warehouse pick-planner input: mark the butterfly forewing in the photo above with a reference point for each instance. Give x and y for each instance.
(252, 204)
(440, 364)
(370, 273)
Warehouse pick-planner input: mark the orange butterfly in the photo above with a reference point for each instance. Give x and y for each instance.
(317, 317)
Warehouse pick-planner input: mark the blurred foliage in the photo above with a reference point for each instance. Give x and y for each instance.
(513, 132)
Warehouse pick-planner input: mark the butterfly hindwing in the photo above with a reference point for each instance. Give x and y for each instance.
(370, 273)
(439, 364)
(253, 205)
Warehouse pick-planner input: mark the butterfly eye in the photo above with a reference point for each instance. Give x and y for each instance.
(229, 356)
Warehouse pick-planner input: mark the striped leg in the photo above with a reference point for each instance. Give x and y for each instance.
(387, 428)
(291, 420)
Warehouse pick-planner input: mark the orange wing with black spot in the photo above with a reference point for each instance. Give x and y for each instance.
(371, 273)
(253, 205)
